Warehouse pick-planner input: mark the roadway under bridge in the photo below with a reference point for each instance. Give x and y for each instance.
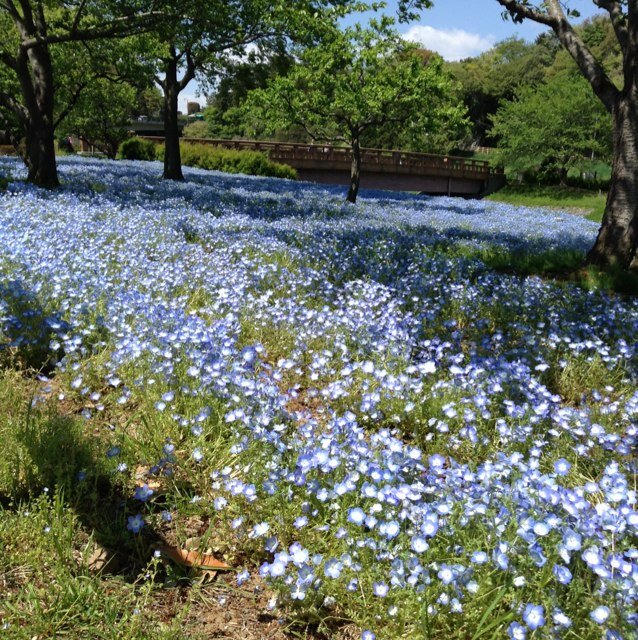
(380, 168)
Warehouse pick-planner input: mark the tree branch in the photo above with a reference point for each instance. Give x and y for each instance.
(519, 12)
(123, 26)
(554, 17)
(9, 102)
(618, 20)
(189, 74)
(75, 96)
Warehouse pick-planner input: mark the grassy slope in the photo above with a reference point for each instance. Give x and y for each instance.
(591, 203)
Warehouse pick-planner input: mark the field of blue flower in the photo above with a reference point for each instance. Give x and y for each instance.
(377, 423)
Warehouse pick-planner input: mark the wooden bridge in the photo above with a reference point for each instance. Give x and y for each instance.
(380, 168)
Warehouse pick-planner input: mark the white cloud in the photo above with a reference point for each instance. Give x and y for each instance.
(452, 44)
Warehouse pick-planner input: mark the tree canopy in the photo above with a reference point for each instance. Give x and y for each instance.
(358, 79)
(552, 127)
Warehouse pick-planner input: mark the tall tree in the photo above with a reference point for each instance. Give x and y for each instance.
(195, 39)
(495, 75)
(617, 241)
(31, 30)
(556, 125)
(355, 81)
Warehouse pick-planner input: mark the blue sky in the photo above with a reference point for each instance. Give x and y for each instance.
(461, 28)
(456, 29)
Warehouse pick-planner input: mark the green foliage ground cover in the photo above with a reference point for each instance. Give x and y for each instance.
(581, 201)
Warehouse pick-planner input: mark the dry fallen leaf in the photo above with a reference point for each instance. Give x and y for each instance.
(194, 559)
(102, 559)
(143, 477)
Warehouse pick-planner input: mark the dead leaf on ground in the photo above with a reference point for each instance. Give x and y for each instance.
(194, 559)
(104, 560)
(144, 477)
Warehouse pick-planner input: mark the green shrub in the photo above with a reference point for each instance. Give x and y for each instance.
(214, 158)
(137, 149)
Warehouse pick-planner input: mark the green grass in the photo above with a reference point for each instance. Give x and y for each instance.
(563, 266)
(579, 201)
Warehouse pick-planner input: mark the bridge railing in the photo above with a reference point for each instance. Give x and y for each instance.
(291, 151)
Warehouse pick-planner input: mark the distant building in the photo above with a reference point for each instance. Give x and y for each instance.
(193, 108)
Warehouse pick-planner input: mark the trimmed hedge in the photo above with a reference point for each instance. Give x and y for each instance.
(214, 158)
(137, 149)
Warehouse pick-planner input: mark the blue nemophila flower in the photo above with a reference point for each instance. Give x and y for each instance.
(562, 573)
(261, 529)
(135, 523)
(561, 619)
(446, 574)
(419, 544)
(333, 568)
(517, 631)
(572, 540)
(600, 614)
(390, 529)
(534, 616)
(562, 467)
(380, 589)
(368, 635)
(479, 557)
(356, 515)
(143, 493)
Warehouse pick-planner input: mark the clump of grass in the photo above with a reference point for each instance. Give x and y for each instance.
(613, 279)
(51, 590)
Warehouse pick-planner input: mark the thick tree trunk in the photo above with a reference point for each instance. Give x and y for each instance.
(172, 154)
(355, 171)
(40, 156)
(617, 239)
(35, 73)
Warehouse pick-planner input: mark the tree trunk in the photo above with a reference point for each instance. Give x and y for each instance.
(35, 73)
(172, 154)
(355, 170)
(617, 239)
(40, 156)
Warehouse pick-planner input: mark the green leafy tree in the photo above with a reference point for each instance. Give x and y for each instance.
(557, 124)
(36, 34)
(497, 74)
(357, 80)
(617, 241)
(102, 115)
(194, 40)
(103, 85)
(200, 35)
(224, 115)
